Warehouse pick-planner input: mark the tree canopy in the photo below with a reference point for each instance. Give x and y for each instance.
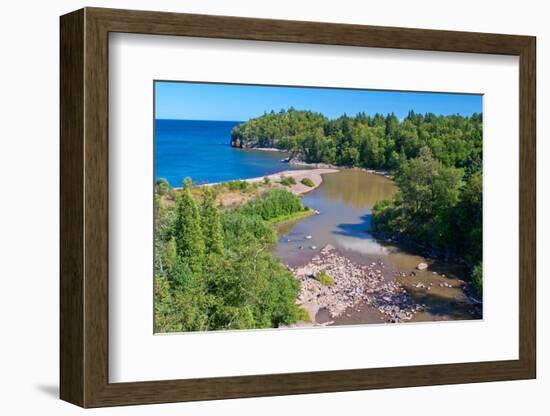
(215, 270)
(376, 141)
(436, 162)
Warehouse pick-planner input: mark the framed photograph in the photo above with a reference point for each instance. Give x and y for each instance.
(263, 207)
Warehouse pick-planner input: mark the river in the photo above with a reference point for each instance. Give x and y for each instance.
(344, 201)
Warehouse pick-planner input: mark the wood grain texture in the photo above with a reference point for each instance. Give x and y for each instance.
(71, 184)
(527, 207)
(84, 207)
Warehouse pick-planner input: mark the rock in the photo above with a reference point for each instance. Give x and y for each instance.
(354, 283)
(422, 266)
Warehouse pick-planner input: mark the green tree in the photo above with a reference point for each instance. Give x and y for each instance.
(424, 207)
(428, 187)
(477, 280)
(468, 217)
(211, 224)
(187, 229)
(169, 255)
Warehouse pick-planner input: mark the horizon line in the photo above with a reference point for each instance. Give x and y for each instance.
(317, 112)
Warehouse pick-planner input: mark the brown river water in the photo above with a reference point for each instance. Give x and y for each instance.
(344, 201)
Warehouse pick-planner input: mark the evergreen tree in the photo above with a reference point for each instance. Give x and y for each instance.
(170, 255)
(211, 224)
(187, 229)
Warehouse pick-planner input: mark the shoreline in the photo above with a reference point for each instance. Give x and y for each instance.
(318, 165)
(380, 172)
(292, 217)
(315, 175)
(263, 149)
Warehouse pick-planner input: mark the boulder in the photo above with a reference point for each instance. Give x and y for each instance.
(422, 266)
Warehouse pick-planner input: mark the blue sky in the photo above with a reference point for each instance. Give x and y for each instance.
(198, 101)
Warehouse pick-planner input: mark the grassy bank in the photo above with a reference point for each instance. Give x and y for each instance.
(291, 217)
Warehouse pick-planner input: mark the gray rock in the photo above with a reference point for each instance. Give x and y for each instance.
(422, 266)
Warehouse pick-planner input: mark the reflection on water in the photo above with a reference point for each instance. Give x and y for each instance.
(356, 188)
(345, 200)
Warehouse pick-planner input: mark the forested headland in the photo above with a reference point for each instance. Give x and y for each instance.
(213, 266)
(436, 162)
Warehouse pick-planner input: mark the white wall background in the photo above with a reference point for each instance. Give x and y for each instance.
(29, 159)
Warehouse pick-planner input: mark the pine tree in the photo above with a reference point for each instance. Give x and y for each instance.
(211, 224)
(187, 229)
(170, 255)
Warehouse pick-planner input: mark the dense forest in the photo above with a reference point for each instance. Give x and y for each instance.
(436, 161)
(214, 268)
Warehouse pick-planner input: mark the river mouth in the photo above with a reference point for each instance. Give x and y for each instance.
(344, 203)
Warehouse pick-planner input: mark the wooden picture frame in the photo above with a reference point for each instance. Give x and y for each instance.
(84, 207)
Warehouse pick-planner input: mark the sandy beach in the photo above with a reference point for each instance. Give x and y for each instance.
(315, 175)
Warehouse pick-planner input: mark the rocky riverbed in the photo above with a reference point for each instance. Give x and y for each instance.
(355, 285)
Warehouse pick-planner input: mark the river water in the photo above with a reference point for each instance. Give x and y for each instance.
(344, 201)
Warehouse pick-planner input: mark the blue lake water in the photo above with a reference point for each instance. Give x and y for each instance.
(201, 150)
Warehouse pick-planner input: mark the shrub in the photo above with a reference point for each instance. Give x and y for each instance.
(238, 185)
(244, 186)
(288, 180)
(386, 217)
(240, 228)
(325, 279)
(266, 180)
(163, 188)
(274, 204)
(308, 182)
(303, 314)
